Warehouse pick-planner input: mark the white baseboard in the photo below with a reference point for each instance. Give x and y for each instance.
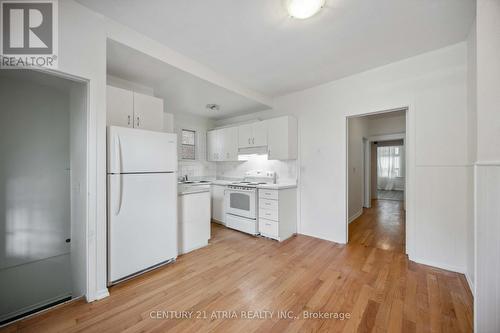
(447, 267)
(100, 294)
(218, 222)
(471, 284)
(34, 307)
(356, 215)
(321, 237)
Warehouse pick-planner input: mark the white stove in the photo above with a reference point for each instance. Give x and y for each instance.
(255, 178)
(240, 201)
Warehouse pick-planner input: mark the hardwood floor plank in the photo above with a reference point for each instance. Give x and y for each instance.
(369, 279)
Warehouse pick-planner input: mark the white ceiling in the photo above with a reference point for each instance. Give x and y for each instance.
(257, 44)
(181, 91)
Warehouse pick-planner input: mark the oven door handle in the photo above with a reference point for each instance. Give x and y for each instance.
(239, 191)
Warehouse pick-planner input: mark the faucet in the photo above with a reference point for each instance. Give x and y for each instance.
(185, 178)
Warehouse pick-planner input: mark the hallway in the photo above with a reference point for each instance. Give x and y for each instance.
(381, 226)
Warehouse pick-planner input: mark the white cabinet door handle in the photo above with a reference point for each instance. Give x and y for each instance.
(128, 122)
(138, 123)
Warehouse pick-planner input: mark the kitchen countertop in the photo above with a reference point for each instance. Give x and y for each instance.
(222, 182)
(278, 186)
(197, 187)
(183, 189)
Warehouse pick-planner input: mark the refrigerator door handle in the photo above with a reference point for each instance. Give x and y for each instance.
(119, 194)
(118, 160)
(118, 154)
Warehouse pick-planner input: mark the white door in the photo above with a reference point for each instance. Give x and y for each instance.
(148, 112)
(259, 134)
(133, 150)
(245, 136)
(119, 107)
(142, 222)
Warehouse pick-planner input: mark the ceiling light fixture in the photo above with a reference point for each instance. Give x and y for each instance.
(213, 107)
(302, 9)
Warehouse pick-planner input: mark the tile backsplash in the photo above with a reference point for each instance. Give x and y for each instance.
(197, 169)
(286, 170)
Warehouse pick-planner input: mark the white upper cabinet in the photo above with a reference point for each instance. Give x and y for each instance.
(222, 144)
(130, 109)
(252, 135)
(230, 143)
(260, 134)
(279, 135)
(245, 135)
(282, 138)
(148, 112)
(120, 107)
(213, 145)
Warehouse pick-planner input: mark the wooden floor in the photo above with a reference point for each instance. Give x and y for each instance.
(390, 195)
(382, 226)
(380, 290)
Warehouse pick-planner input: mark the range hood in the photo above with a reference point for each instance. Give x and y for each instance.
(262, 150)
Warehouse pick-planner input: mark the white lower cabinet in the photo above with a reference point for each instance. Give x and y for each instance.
(268, 228)
(194, 221)
(278, 213)
(218, 203)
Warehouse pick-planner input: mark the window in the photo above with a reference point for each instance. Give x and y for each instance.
(390, 162)
(188, 145)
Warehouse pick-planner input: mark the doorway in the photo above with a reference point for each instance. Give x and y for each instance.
(376, 182)
(43, 186)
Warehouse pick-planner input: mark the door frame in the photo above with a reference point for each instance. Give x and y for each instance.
(409, 172)
(91, 173)
(89, 244)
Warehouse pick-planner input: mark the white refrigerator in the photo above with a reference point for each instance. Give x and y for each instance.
(142, 200)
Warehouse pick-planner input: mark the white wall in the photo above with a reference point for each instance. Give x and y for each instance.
(487, 238)
(129, 85)
(433, 85)
(357, 130)
(386, 125)
(34, 196)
